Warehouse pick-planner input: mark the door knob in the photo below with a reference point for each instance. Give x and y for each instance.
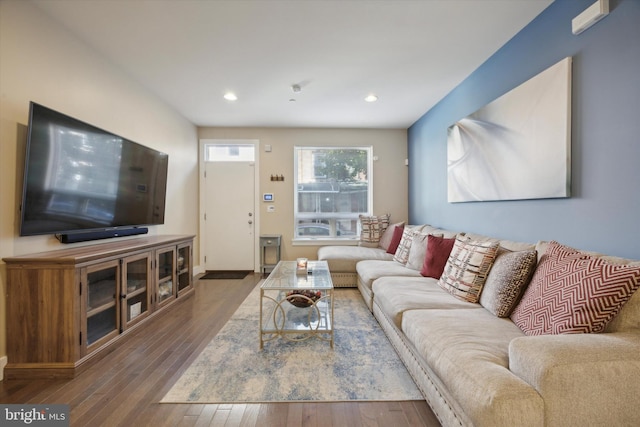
(250, 214)
(250, 222)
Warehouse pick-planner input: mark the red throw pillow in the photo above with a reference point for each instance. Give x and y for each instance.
(395, 240)
(438, 251)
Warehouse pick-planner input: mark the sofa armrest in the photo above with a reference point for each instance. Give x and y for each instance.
(584, 379)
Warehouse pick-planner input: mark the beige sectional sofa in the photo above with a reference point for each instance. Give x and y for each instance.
(475, 368)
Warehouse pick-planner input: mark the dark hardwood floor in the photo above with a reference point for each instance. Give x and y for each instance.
(124, 387)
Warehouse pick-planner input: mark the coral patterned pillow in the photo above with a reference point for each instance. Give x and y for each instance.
(574, 292)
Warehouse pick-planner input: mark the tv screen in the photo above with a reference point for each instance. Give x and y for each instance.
(79, 178)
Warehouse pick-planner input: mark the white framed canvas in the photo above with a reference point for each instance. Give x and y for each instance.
(516, 147)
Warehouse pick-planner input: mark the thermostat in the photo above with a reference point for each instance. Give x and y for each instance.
(267, 197)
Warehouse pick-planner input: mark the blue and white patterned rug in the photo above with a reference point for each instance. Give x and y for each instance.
(362, 365)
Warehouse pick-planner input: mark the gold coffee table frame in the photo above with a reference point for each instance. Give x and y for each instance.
(280, 318)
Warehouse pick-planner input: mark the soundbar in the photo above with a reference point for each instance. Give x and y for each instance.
(102, 234)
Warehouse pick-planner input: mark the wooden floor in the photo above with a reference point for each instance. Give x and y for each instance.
(124, 388)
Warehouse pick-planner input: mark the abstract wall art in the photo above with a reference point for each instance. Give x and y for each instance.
(516, 147)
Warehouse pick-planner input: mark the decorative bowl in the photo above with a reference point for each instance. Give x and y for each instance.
(303, 298)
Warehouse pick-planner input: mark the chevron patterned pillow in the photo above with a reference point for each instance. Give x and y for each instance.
(574, 292)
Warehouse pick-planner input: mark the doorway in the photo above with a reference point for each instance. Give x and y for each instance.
(228, 200)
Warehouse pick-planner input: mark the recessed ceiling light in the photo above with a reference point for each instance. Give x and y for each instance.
(371, 98)
(230, 96)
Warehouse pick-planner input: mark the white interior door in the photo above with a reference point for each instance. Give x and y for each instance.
(229, 215)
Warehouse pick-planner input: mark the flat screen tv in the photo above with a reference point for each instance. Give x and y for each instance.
(82, 180)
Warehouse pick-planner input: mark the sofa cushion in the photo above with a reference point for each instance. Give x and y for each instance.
(428, 229)
(467, 268)
(372, 227)
(395, 295)
(468, 350)
(438, 251)
(574, 292)
(345, 258)
(370, 270)
(507, 244)
(388, 237)
(507, 280)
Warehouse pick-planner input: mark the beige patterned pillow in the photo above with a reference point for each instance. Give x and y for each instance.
(507, 280)
(467, 268)
(373, 227)
(402, 253)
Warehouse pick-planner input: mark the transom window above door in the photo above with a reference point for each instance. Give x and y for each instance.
(332, 189)
(229, 153)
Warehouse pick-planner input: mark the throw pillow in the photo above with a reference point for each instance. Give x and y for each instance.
(402, 252)
(417, 252)
(467, 267)
(395, 240)
(372, 227)
(438, 251)
(507, 280)
(574, 292)
(387, 236)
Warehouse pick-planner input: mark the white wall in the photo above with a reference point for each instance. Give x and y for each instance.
(40, 61)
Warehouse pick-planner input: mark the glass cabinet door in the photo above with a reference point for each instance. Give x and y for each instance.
(165, 278)
(135, 292)
(184, 268)
(102, 284)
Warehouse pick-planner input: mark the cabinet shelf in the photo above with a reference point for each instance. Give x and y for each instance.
(136, 285)
(91, 311)
(136, 293)
(101, 293)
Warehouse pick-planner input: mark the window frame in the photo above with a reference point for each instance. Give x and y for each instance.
(332, 217)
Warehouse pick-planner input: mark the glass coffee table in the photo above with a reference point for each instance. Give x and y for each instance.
(297, 306)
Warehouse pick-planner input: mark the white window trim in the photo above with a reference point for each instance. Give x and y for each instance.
(330, 241)
(318, 241)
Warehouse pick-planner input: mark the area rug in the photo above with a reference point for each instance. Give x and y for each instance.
(362, 365)
(224, 274)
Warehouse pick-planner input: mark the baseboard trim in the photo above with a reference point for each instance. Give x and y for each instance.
(3, 363)
(198, 269)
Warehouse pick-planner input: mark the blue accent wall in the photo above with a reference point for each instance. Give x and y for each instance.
(603, 212)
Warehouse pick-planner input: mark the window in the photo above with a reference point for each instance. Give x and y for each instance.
(332, 189)
(229, 153)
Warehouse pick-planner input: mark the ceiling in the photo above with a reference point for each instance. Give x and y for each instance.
(410, 53)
